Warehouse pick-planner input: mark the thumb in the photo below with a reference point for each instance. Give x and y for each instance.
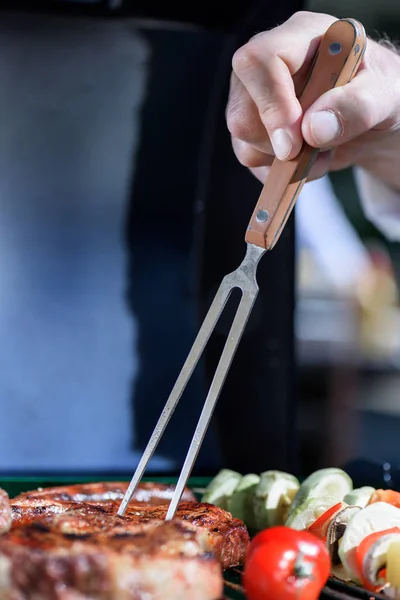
(347, 112)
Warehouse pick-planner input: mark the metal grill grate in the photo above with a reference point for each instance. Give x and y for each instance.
(334, 589)
(338, 590)
(233, 587)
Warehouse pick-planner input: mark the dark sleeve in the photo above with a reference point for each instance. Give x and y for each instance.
(255, 417)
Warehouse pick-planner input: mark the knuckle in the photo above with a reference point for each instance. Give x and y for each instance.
(270, 112)
(261, 35)
(237, 121)
(246, 58)
(278, 110)
(363, 102)
(237, 128)
(302, 18)
(355, 108)
(309, 18)
(300, 15)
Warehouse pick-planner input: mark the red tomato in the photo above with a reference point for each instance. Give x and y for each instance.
(285, 564)
(320, 526)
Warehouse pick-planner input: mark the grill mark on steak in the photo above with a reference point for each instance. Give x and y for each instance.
(78, 536)
(30, 506)
(147, 493)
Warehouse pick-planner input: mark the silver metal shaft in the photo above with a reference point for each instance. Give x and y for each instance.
(244, 278)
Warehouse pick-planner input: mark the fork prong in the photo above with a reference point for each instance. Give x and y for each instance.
(199, 344)
(231, 344)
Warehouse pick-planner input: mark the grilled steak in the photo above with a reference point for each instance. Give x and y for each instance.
(226, 537)
(32, 505)
(67, 549)
(5, 512)
(147, 493)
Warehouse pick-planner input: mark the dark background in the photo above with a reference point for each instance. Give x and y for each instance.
(189, 204)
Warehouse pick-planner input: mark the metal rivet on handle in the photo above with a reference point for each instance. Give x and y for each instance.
(335, 48)
(262, 216)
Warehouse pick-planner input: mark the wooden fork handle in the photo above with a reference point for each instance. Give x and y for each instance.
(335, 64)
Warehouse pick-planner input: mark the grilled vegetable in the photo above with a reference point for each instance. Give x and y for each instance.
(221, 488)
(392, 564)
(273, 497)
(285, 564)
(388, 496)
(359, 496)
(320, 527)
(240, 504)
(373, 518)
(305, 515)
(336, 529)
(372, 556)
(325, 482)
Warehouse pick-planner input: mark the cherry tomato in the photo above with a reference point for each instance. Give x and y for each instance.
(285, 564)
(320, 526)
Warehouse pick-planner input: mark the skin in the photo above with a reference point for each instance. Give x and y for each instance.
(355, 125)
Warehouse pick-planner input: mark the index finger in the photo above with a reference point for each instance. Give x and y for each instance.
(271, 65)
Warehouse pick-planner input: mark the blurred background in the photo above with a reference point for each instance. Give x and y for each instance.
(117, 179)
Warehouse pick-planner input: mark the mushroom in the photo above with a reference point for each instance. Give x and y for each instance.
(336, 530)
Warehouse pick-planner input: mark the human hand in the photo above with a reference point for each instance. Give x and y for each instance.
(354, 125)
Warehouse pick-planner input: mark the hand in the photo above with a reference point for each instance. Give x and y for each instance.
(354, 125)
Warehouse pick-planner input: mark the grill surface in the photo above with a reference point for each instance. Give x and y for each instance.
(334, 590)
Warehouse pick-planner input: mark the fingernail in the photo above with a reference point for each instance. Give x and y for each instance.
(325, 127)
(281, 143)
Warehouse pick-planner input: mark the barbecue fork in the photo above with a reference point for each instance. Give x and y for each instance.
(337, 60)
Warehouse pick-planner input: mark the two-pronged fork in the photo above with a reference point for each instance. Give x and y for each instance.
(337, 60)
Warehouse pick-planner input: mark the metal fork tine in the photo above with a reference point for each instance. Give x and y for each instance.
(244, 277)
(210, 320)
(227, 355)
